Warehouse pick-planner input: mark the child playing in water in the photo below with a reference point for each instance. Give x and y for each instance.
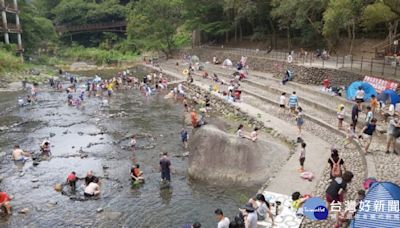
(133, 143)
(184, 137)
(136, 174)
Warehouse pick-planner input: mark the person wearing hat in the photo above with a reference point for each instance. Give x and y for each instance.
(249, 215)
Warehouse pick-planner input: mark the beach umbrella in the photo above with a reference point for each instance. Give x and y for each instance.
(386, 195)
(353, 87)
(227, 62)
(389, 95)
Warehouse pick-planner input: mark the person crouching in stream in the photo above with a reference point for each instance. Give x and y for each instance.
(45, 148)
(93, 188)
(136, 174)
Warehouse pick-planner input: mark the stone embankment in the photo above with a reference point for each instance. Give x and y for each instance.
(303, 74)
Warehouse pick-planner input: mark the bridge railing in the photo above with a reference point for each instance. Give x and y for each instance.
(89, 27)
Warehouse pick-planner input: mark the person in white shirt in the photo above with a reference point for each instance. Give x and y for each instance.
(340, 116)
(239, 131)
(282, 102)
(223, 222)
(93, 188)
(369, 115)
(360, 95)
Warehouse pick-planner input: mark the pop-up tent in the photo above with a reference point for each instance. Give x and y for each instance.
(227, 62)
(353, 87)
(389, 95)
(195, 59)
(386, 215)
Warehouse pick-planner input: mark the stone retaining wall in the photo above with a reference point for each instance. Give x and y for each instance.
(305, 75)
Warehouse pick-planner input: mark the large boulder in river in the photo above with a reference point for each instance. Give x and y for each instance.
(221, 158)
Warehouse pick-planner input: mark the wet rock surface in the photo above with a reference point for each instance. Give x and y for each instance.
(218, 151)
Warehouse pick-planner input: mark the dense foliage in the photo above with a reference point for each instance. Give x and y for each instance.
(163, 25)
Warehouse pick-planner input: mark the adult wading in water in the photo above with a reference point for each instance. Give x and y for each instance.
(165, 167)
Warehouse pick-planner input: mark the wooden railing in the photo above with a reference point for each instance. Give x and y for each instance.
(384, 47)
(11, 28)
(10, 8)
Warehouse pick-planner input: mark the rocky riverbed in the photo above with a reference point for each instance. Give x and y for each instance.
(95, 138)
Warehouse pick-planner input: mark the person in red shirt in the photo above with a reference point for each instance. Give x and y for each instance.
(136, 174)
(5, 202)
(326, 83)
(193, 116)
(71, 180)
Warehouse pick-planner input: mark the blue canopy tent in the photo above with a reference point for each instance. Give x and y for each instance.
(353, 87)
(388, 215)
(389, 95)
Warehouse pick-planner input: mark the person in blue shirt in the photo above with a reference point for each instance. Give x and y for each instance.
(293, 102)
(184, 137)
(367, 133)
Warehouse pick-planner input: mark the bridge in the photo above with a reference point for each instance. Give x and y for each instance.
(114, 26)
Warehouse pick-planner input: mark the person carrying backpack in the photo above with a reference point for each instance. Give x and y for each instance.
(336, 164)
(393, 133)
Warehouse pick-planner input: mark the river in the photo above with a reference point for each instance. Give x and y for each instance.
(100, 133)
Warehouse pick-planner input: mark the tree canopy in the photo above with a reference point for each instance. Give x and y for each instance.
(167, 24)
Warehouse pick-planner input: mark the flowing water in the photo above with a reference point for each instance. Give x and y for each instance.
(95, 138)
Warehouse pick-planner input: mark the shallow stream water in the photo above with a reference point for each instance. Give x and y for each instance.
(101, 134)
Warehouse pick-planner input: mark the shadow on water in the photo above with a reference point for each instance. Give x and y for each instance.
(94, 139)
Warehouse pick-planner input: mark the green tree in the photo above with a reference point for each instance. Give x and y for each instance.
(156, 24)
(341, 15)
(37, 31)
(206, 16)
(381, 12)
(304, 16)
(45, 7)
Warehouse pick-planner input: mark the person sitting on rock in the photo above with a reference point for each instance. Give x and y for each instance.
(136, 174)
(93, 189)
(298, 200)
(254, 134)
(239, 131)
(5, 202)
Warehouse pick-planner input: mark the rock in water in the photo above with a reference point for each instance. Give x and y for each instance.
(58, 187)
(23, 211)
(99, 210)
(233, 160)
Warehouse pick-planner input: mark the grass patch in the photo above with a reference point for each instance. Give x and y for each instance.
(10, 62)
(99, 56)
